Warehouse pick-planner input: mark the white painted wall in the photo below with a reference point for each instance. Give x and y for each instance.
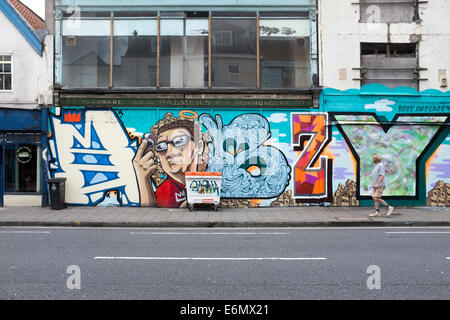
(32, 74)
(340, 35)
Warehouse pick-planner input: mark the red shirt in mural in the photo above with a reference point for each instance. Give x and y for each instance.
(170, 194)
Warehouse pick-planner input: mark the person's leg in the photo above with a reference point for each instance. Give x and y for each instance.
(384, 203)
(377, 207)
(389, 209)
(376, 203)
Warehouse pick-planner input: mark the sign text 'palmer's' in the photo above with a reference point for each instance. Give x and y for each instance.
(187, 102)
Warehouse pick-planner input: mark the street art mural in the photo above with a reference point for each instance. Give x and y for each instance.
(408, 128)
(401, 145)
(310, 135)
(250, 167)
(278, 156)
(92, 150)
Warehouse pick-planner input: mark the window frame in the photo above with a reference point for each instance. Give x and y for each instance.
(209, 16)
(230, 75)
(11, 72)
(415, 70)
(416, 3)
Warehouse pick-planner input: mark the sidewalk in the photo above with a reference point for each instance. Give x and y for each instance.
(314, 216)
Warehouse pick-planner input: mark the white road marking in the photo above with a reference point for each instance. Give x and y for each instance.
(206, 258)
(420, 232)
(211, 233)
(32, 232)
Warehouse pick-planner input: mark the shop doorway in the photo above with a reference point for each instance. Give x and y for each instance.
(21, 168)
(1, 171)
(21, 163)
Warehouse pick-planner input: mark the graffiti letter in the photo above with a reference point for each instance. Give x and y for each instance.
(94, 155)
(311, 182)
(400, 147)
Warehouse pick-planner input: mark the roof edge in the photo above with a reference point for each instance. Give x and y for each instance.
(21, 25)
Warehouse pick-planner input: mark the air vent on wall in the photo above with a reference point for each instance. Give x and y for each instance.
(300, 42)
(71, 41)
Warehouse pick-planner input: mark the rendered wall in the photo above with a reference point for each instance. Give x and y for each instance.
(32, 74)
(340, 35)
(268, 157)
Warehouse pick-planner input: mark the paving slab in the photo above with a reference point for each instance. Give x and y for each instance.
(311, 216)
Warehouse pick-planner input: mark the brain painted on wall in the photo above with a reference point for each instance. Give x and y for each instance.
(250, 167)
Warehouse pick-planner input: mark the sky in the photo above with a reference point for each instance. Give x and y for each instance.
(38, 6)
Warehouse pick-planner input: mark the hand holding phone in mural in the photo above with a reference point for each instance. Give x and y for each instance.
(144, 166)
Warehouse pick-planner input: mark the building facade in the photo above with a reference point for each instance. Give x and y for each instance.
(198, 81)
(396, 43)
(398, 53)
(146, 92)
(26, 82)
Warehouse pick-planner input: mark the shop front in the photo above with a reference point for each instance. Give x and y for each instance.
(408, 128)
(135, 151)
(22, 136)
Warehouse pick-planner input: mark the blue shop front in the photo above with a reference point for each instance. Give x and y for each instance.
(23, 133)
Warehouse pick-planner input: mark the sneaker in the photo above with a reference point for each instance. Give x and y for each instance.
(389, 211)
(375, 214)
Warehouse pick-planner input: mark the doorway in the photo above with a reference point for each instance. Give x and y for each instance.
(1, 171)
(21, 163)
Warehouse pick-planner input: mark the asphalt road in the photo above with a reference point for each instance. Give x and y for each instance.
(204, 264)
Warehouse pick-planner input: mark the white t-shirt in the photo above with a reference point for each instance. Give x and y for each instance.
(376, 173)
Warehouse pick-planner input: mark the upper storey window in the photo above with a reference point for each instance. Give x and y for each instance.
(187, 50)
(5, 73)
(388, 11)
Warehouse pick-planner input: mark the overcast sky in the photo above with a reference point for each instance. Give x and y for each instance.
(38, 6)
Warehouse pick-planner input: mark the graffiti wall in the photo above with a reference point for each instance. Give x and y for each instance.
(409, 129)
(277, 156)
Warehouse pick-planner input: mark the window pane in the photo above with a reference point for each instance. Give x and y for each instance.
(81, 27)
(171, 61)
(21, 168)
(382, 11)
(172, 27)
(8, 82)
(135, 61)
(147, 27)
(7, 67)
(234, 43)
(86, 61)
(171, 55)
(184, 53)
(285, 53)
(196, 63)
(119, 14)
(135, 53)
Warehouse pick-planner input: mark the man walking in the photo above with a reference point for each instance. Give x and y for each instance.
(378, 186)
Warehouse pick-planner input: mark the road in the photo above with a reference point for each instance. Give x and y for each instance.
(204, 264)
